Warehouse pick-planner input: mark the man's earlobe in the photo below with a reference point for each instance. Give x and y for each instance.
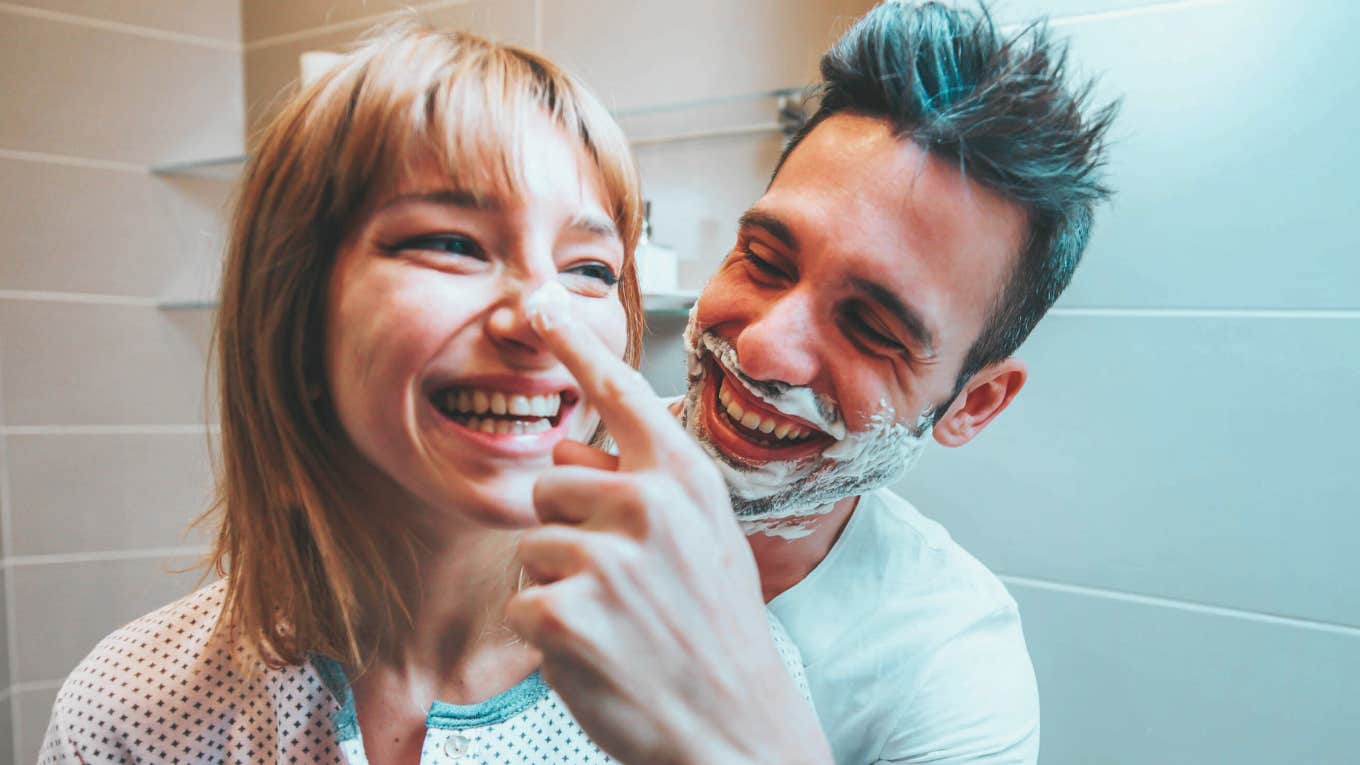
(984, 397)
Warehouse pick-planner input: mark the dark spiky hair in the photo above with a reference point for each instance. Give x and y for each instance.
(1000, 109)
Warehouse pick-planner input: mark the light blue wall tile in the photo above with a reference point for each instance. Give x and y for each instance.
(1206, 459)
(1134, 684)
(7, 728)
(34, 708)
(1234, 163)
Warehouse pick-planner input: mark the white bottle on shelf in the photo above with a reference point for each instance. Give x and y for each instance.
(657, 268)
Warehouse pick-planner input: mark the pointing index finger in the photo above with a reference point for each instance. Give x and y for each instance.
(629, 407)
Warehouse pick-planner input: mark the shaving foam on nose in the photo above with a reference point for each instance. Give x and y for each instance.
(548, 306)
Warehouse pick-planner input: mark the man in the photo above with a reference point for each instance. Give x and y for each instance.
(914, 232)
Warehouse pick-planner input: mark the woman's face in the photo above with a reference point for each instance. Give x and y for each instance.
(433, 368)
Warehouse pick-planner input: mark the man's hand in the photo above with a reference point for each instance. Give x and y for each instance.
(647, 602)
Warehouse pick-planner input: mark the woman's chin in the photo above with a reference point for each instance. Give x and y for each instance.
(504, 503)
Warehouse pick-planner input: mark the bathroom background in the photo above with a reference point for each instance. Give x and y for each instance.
(1173, 500)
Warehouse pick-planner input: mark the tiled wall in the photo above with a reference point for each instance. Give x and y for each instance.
(103, 431)
(1173, 499)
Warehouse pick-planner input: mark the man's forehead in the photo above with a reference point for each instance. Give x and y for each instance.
(857, 193)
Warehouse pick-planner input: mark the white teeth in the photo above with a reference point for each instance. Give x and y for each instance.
(469, 401)
(734, 409)
(488, 426)
(753, 421)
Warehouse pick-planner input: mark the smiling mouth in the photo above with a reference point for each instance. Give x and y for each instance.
(497, 412)
(756, 422)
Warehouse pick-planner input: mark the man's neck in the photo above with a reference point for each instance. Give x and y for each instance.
(784, 562)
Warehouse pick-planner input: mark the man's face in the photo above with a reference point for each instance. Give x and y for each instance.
(841, 318)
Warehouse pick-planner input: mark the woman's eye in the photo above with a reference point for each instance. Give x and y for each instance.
(593, 279)
(450, 244)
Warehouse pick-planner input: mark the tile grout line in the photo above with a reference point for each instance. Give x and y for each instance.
(341, 26)
(111, 430)
(1211, 313)
(49, 296)
(1183, 605)
(11, 657)
(135, 30)
(101, 556)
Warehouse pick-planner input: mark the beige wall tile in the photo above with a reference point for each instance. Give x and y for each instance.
(657, 51)
(270, 18)
(272, 70)
(77, 229)
(215, 19)
(93, 93)
(86, 493)
(34, 709)
(62, 610)
(4, 648)
(7, 729)
(82, 364)
(1174, 457)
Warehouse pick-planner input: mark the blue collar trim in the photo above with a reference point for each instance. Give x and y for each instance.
(498, 708)
(443, 715)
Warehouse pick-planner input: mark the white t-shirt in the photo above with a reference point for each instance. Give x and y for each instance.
(913, 649)
(163, 689)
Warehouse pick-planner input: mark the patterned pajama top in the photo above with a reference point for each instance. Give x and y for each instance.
(163, 689)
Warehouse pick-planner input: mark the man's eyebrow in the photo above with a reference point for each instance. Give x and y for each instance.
(906, 315)
(776, 227)
(450, 197)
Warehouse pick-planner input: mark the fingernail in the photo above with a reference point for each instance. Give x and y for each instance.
(548, 307)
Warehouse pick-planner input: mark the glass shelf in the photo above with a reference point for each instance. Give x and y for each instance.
(217, 167)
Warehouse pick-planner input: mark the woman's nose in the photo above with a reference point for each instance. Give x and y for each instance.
(508, 326)
(779, 343)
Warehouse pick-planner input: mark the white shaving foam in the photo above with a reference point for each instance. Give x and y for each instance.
(766, 496)
(549, 294)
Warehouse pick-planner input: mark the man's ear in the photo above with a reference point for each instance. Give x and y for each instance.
(982, 399)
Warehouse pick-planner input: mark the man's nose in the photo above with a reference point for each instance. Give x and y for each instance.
(780, 343)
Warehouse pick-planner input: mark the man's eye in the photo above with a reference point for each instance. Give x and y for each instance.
(871, 333)
(451, 244)
(764, 266)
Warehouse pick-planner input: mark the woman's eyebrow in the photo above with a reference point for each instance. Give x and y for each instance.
(450, 197)
(595, 225)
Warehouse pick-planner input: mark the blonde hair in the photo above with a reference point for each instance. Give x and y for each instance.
(304, 564)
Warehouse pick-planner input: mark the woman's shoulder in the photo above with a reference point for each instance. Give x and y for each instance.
(161, 682)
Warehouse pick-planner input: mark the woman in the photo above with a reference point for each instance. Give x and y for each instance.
(385, 408)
